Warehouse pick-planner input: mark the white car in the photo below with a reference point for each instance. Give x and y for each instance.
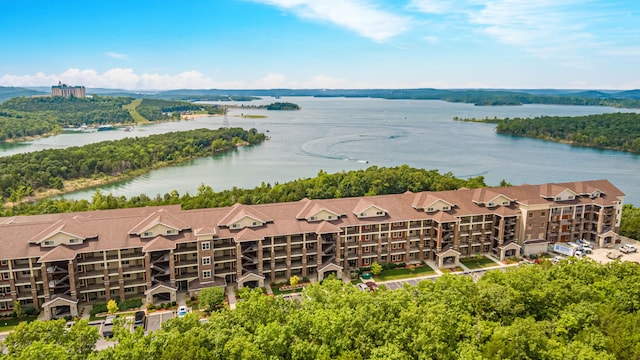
(628, 248)
(557, 259)
(182, 311)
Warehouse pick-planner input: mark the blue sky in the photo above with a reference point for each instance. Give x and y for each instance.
(240, 44)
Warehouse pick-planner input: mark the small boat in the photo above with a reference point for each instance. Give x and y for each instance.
(128, 128)
(105, 127)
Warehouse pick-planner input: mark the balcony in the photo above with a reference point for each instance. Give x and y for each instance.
(132, 256)
(185, 249)
(133, 269)
(91, 274)
(223, 244)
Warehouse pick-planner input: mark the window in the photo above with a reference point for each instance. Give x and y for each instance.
(206, 260)
(330, 217)
(429, 209)
(172, 231)
(396, 234)
(380, 213)
(49, 243)
(367, 237)
(367, 249)
(80, 268)
(505, 203)
(5, 276)
(206, 274)
(3, 263)
(558, 198)
(205, 246)
(363, 214)
(255, 223)
(445, 208)
(234, 226)
(542, 213)
(530, 214)
(313, 218)
(147, 234)
(3, 306)
(125, 262)
(126, 276)
(491, 204)
(26, 272)
(366, 261)
(367, 227)
(128, 290)
(74, 241)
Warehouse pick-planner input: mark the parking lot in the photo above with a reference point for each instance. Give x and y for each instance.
(155, 319)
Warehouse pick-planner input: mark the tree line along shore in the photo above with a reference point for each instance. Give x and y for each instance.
(53, 171)
(24, 117)
(615, 131)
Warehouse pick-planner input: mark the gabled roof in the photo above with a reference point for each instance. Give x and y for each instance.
(251, 276)
(487, 195)
(363, 205)
(159, 243)
(449, 252)
(326, 227)
(313, 207)
(58, 253)
(69, 226)
(160, 217)
(207, 230)
(424, 200)
(61, 299)
(246, 234)
(239, 211)
(553, 190)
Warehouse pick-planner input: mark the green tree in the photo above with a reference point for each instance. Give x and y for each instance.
(376, 268)
(210, 298)
(112, 306)
(17, 308)
(293, 281)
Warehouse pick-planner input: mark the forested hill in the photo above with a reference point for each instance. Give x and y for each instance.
(29, 173)
(22, 117)
(618, 131)
(7, 92)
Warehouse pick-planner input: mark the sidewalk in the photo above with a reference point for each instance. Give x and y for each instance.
(231, 296)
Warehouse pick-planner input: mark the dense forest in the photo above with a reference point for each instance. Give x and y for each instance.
(630, 224)
(156, 109)
(619, 131)
(577, 309)
(22, 174)
(24, 116)
(372, 181)
(283, 106)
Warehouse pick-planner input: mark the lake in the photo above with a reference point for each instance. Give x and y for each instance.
(336, 134)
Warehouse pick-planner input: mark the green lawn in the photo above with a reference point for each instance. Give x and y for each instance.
(477, 263)
(9, 324)
(404, 273)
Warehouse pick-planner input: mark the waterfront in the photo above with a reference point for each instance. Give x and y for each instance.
(335, 134)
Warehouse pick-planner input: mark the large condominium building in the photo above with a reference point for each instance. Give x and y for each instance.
(52, 262)
(68, 91)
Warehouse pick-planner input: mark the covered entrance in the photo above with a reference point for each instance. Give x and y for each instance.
(448, 259)
(60, 306)
(509, 250)
(608, 239)
(161, 293)
(251, 280)
(329, 268)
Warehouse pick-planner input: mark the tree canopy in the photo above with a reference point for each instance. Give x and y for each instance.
(576, 309)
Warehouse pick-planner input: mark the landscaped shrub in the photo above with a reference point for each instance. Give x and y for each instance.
(98, 308)
(129, 304)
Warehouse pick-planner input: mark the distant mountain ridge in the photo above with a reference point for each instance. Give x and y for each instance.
(487, 97)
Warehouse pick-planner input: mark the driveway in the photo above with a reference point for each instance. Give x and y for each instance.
(155, 319)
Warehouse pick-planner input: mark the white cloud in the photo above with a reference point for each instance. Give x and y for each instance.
(433, 6)
(360, 16)
(115, 55)
(128, 79)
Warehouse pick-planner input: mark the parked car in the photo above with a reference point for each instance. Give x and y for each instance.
(587, 249)
(628, 248)
(557, 259)
(182, 311)
(613, 255)
(107, 327)
(140, 319)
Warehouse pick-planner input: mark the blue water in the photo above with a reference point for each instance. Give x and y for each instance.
(336, 134)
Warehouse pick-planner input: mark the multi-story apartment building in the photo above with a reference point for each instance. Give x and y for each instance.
(55, 261)
(65, 90)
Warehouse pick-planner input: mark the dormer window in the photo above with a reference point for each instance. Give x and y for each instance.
(313, 218)
(363, 214)
(172, 232)
(74, 241)
(255, 223)
(558, 198)
(49, 243)
(330, 217)
(505, 203)
(429, 209)
(445, 208)
(379, 213)
(491, 204)
(234, 226)
(147, 234)
(571, 197)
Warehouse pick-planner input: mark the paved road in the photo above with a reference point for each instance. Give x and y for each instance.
(155, 319)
